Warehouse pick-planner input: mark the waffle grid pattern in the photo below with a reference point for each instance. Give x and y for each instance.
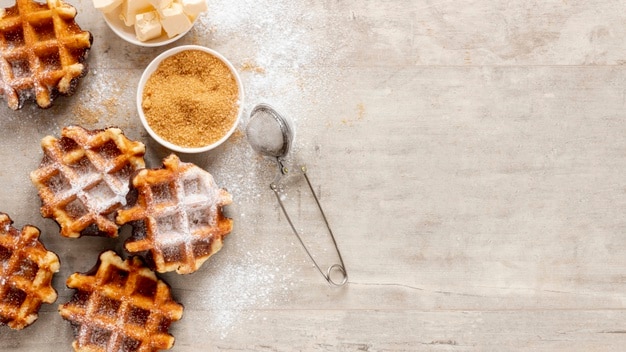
(26, 270)
(122, 307)
(42, 51)
(178, 216)
(84, 179)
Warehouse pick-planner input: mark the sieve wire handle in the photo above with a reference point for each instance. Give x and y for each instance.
(340, 268)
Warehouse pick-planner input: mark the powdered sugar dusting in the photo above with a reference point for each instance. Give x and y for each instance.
(295, 71)
(196, 198)
(249, 284)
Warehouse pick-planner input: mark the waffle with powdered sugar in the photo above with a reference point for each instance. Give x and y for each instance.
(26, 271)
(42, 52)
(176, 215)
(120, 305)
(83, 179)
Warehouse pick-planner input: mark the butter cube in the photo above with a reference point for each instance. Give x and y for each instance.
(106, 6)
(194, 7)
(160, 5)
(131, 8)
(174, 20)
(147, 26)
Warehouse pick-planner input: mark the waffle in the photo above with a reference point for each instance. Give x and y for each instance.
(120, 306)
(26, 270)
(84, 177)
(42, 52)
(176, 215)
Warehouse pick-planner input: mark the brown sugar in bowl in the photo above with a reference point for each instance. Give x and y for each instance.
(190, 99)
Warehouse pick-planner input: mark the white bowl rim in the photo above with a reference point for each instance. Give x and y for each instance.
(150, 70)
(128, 33)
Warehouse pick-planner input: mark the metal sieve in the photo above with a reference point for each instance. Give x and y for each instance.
(271, 135)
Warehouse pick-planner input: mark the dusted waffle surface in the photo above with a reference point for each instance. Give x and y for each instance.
(42, 52)
(120, 306)
(176, 215)
(83, 178)
(26, 271)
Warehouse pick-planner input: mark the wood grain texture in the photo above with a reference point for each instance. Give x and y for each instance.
(469, 156)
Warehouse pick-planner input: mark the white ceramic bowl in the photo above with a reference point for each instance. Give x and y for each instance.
(128, 33)
(150, 70)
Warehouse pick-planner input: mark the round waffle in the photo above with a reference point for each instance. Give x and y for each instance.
(177, 218)
(26, 270)
(84, 177)
(120, 306)
(42, 52)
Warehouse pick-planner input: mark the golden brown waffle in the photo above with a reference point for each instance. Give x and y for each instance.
(84, 177)
(177, 216)
(120, 306)
(42, 52)
(26, 270)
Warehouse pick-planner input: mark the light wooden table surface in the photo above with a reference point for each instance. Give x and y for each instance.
(470, 156)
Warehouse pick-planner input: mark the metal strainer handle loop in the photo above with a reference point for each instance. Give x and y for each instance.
(339, 267)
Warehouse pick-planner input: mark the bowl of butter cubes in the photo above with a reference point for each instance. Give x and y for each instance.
(150, 22)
